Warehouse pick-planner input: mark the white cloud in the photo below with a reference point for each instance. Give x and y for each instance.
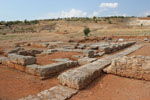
(66, 14)
(109, 5)
(95, 13)
(98, 12)
(147, 13)
(103, 11)
(73, 13)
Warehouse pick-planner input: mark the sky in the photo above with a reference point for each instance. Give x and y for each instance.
(46, 9)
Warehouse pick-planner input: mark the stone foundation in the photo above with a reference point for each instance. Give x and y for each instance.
(134, 67)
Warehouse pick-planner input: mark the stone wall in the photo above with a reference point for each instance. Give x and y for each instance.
(134, 67)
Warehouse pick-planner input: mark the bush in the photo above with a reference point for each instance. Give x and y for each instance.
(31, 22)
(109, 22)
(86, 31)
(148, 15)
(2, 33)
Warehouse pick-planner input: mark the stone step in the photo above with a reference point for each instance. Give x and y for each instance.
(21, 60)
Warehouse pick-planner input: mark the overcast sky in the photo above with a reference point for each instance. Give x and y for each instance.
(45, 9)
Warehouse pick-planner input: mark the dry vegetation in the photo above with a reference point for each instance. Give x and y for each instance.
(70, 28)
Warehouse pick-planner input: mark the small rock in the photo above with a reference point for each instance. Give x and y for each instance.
(120, 40)
(146, 39)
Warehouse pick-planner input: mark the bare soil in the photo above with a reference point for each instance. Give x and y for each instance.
(144, 51)
(47, 59)
(111, 87)
(15, 84)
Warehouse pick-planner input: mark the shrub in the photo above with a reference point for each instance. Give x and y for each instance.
(86, 31)
(2, 33)
(31, 22)
(148, 15)
(109, 22)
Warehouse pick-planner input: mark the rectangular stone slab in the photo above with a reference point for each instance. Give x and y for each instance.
(51, 69)
(21, 60)
(55, 93)
(32, 69)
(80, 77)
(115, 47)
(2, 59)
(86, 60)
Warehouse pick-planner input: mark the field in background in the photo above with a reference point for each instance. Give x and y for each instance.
(65, 29)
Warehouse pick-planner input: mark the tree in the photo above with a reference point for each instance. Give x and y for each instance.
(86, 31)
(148, 15)
(95, 19)
(142, 25)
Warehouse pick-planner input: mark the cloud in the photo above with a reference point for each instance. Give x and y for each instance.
(109, 5)
(102, 11)
(73, 13)
(147, 13)
(98, 12)
(66, 14)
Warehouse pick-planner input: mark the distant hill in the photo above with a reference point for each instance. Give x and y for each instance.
(70, 25)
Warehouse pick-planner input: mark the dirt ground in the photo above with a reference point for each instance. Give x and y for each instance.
(144, 51)
(15, 84)
(47, 59)
(111, 87)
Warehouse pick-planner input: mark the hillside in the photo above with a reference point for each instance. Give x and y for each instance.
(72, 28)
(62, 25)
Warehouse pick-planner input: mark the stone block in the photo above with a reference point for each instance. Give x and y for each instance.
(52, 69)
(2, 59)
(86, 60)
(61, 60)
(21, 60)
(29, 52)
(50, 51)
(89, 53)
(32, 69)
(55, 93)
(80, 77)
